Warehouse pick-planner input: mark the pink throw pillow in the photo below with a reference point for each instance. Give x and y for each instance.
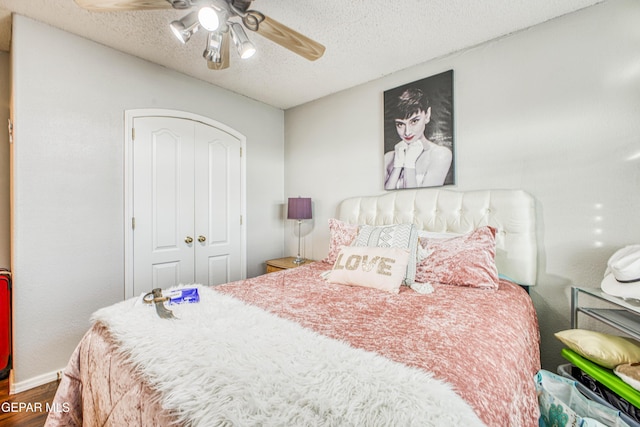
(467, 260)
(341, 234)
(381, 268)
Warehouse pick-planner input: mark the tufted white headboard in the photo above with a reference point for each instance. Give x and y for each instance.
(511, 212)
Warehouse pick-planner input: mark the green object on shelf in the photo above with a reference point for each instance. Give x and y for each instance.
(604, 376)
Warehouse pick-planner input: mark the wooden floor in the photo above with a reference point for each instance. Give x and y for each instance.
(27, 409)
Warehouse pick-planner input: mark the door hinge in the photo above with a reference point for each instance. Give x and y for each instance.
(133, 134)
(10, 128)
(240, 219)
(133, 222)
(240, 151)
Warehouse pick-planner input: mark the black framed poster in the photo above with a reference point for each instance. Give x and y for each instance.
(418, 133)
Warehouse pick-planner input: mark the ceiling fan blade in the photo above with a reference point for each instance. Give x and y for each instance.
(224, 55)
(288, 38)
(115, 5)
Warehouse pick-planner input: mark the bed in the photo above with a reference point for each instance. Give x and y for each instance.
(296, 347)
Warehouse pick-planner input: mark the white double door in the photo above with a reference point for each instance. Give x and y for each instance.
(187, 204)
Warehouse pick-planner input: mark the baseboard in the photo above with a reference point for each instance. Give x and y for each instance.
(43, 379)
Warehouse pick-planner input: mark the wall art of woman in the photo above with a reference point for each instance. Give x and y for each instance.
(417, 154)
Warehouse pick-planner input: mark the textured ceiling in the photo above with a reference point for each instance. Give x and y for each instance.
(364, 39)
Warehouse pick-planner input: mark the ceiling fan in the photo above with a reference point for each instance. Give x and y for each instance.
(223, 20)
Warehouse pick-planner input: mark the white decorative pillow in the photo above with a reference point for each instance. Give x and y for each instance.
(629, 373)
(371, 267)
(403, 236)
(436, 235)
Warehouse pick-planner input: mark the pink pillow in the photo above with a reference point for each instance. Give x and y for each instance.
(381, 268)
(468, 260)
(341, 234)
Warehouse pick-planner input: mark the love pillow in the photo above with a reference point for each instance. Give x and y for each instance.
(371, 267)
(403, 236)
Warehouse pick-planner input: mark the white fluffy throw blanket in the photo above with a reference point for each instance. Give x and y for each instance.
(227, 363)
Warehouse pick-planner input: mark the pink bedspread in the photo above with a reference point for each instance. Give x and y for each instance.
(483, 342)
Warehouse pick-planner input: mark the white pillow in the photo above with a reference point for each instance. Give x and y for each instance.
(437, 235)
(629, 373)
(372, 267)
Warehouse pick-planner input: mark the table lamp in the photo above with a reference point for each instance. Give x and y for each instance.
(299, 208)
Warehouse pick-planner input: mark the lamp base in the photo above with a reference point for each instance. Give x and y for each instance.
(299, 260)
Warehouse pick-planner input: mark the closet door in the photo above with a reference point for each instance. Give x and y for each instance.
(163, 203)
(187, 204)
(218, 205)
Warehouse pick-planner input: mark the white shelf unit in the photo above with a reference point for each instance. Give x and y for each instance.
(621, 314)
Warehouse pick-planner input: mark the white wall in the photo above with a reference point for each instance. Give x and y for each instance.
(553, 110)
(68, 241)
(5, 246)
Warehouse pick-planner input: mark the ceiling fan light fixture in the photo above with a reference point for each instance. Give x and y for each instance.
(184, 28)
(245, 48)
(215, 16)
(212, 53)
(208, 18)
(180, 4)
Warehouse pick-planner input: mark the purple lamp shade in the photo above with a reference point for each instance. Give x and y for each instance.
(299, 208)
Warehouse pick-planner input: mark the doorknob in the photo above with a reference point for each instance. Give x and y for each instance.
(188, 239)
(201, 239)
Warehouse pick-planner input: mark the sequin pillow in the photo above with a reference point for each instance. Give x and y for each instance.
(340, 234)
(403, 236)
(371, 267)
(467, 260)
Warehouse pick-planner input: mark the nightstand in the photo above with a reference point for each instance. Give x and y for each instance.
(284, 264)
